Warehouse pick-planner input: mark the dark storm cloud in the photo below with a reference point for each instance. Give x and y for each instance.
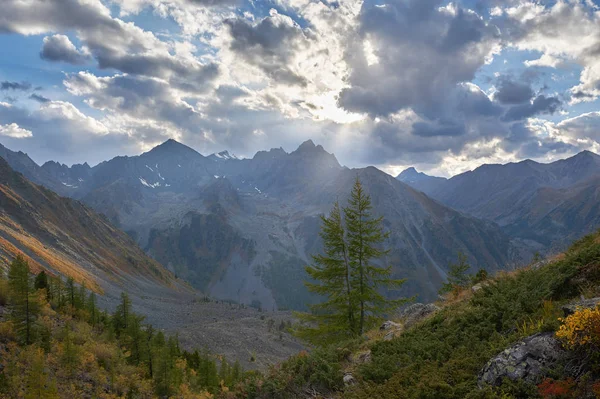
(541, 105)
(17, 86)
(513, 92)
(58, 48)
(269, 45)
(441, 128)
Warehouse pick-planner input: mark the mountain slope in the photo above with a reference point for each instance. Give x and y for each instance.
(243, 229)
(64, 236)
(532, 201)
(420, 180)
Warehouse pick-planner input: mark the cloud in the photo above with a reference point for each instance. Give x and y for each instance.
(59, 48)
(39, 98)
(513, 92)
(541, 105)
(423, 52)
(114, 44)
(270, 45)
(13, 130)
(565, 30)
(23, 86)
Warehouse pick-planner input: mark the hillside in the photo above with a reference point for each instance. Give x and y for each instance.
(65, 237)
(497, 339)
(262, 214)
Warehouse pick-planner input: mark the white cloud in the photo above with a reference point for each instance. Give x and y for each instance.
(13, 130)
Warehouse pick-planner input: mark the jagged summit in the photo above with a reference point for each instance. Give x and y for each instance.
(223, 156)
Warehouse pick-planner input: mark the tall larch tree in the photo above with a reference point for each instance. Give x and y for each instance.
(24, 304)
(365, 239)
(335, 318)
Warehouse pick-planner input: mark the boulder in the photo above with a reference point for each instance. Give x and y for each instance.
(583, 304)
(417, 312)
(349, 380)
(388, 325)
(361, 357)
(479, 286)
(527, 360)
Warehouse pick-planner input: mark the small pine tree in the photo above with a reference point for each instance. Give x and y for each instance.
(92, 309)
(457, 275)
(70, 352)
(24, 305)
(122, 314)
(41, 281)
(38, 382)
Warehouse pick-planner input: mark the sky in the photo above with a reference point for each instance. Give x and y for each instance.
(442, 86)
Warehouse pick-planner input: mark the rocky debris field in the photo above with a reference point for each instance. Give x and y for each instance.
(255, 338)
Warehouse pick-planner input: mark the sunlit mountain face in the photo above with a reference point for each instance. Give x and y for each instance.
(443, 86)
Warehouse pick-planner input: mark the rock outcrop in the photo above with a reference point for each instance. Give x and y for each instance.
(583, 304)
(527, 360)
(417, 312)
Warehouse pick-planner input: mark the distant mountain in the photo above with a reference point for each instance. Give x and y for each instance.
(243, 229)
(20, 162)
(64, 236)
(544, 204)
(420, 180)
(222, 156)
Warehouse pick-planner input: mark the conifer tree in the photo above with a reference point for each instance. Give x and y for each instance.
(41, 281)
(92, 309)
(38, 383)
(122, 314)
(336, 316)
(457, 275)
(347, 274)
(365, 237)
(70, 353)
(24, 305)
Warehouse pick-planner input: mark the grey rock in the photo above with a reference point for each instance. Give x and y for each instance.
(389, 336)
(417, 312)
(389, 325)
(349, 380)
(583, 304)
(361, 357)
(527, 360)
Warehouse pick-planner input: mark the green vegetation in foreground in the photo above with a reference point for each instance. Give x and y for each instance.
(346, 276)
(56, 343)
(442, 356)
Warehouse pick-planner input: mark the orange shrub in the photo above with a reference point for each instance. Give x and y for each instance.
(552, 389)
(581, 329)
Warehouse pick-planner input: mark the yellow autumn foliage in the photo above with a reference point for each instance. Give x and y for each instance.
(581, 329)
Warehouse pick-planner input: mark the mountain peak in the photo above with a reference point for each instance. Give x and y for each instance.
(408, 172)
(223, 155)
(171, 146)
(309, 147)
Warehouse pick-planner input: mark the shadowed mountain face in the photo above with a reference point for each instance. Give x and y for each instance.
(542, 204)
(64, 236)
(420, 180)
(243, 229)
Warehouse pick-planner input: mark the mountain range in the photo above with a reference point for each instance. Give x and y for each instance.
(544, 205)
(243, 229)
